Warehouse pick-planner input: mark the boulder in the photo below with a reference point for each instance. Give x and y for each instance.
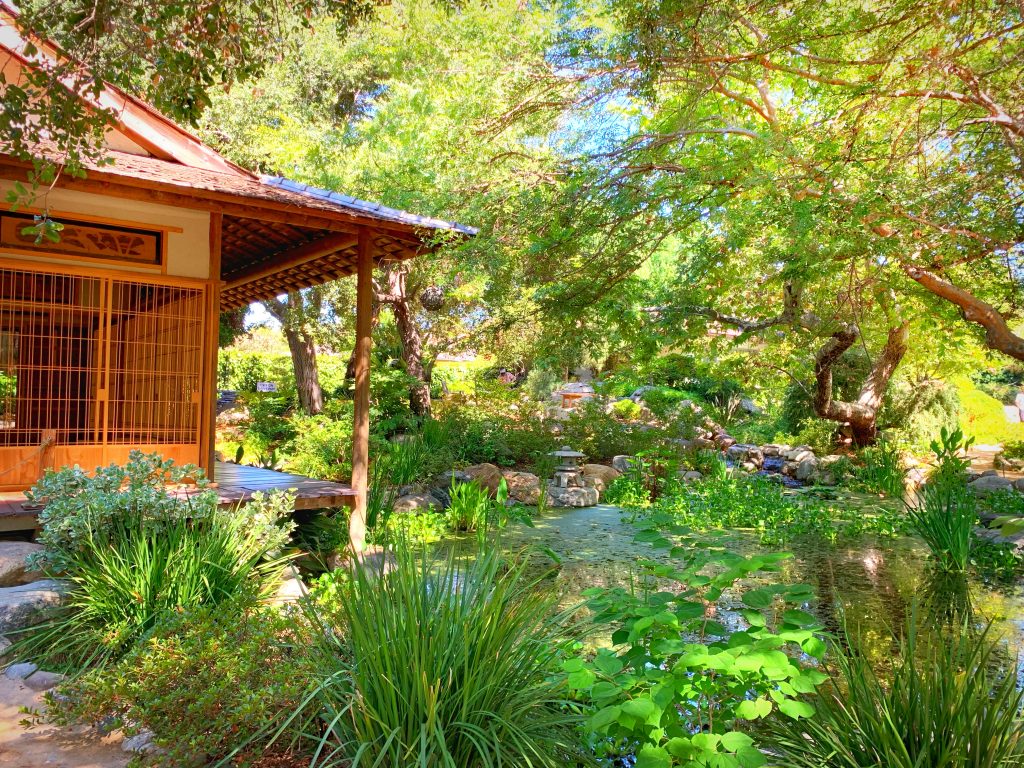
(691, 476)
(987, 484)
(142, 743)
(724, 441)
(1002, 461)
(749, 406)
(4, 645)
(13, 570)
(28, 604)
(43, 681)
(601, 475)
(572, 497)
(1012, 414)
(291, 589)
(523, 487)
(623, 463)
(742, 453)
(557, 413)
(20, 671)
(487, 475)
(914, 478)
(1019, 484)
(806, 469)
(414, 503)
(447, 479)
(703, 444)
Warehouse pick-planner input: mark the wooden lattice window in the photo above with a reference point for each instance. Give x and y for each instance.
(95, 360)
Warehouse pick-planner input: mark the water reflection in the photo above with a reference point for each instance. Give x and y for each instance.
(870, 584)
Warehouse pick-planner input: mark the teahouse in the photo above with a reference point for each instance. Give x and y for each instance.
(108, 338)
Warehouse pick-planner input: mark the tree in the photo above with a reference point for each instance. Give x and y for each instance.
(868, 154)
(395, 112)
(173, 54)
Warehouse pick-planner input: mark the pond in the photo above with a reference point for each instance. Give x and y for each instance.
(875, 583)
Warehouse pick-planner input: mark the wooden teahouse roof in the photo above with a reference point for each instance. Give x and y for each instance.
(277, 234)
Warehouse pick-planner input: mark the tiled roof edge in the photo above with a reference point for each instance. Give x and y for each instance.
(374, 210)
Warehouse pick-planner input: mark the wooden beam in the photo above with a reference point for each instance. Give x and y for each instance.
(361, 427)
(293, 257)
(208, 400)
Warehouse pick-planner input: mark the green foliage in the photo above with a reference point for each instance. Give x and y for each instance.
(78, 506)
(132, 569)
(480, 692)
(945, 514)
(627, 410)
(982, 416)
(914, 411)
(490, 432)
(601, 436)
(946, 703)
(677, 685)
(1014, 449)
(882, 470)
(944, 517)
(321, 447)
(203, 681)
(754, 503)
(471, 507)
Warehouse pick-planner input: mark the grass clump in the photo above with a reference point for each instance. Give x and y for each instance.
(950, 703)
(438, 664)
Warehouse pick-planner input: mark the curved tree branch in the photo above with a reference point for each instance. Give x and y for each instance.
(998, 335)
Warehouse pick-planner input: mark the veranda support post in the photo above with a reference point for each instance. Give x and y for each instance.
(361, 427)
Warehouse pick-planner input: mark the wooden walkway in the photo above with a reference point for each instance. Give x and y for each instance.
(235, 484)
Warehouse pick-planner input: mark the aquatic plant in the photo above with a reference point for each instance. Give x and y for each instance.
(438, 664)
(676, 685)
(944, 517)
(950, 703)
(882, 471)
(775, 514)
(944, 511)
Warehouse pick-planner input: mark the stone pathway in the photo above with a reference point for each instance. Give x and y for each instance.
(47, 746)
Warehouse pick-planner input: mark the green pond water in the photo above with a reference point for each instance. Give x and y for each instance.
(873, 582)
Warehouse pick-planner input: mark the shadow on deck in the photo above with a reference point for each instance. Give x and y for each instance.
(235, 484)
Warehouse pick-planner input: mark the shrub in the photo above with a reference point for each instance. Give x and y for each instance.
(480, 692)
(601, 436)
(914, 411)
(322, 447)
(78, 505)
(627, 410)
(203, 682)
(134, 555)
(946, 704)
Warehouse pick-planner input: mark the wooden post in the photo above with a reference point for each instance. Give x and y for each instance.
(361, 427)
(208, 398)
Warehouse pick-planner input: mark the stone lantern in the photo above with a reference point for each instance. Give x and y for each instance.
(568, 473)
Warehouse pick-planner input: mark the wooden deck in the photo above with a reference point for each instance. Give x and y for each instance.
(235, 485)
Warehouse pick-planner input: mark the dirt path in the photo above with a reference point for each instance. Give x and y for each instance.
(47, 746)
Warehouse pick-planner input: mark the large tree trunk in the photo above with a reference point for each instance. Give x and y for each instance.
(307, 374)
(412, 340)
(862, 414)
(292, 315)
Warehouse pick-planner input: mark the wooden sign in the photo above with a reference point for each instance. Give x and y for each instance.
(85, 240)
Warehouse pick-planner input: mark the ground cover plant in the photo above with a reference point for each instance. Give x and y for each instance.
(759, 505)
(203, 682)
(483, 640)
